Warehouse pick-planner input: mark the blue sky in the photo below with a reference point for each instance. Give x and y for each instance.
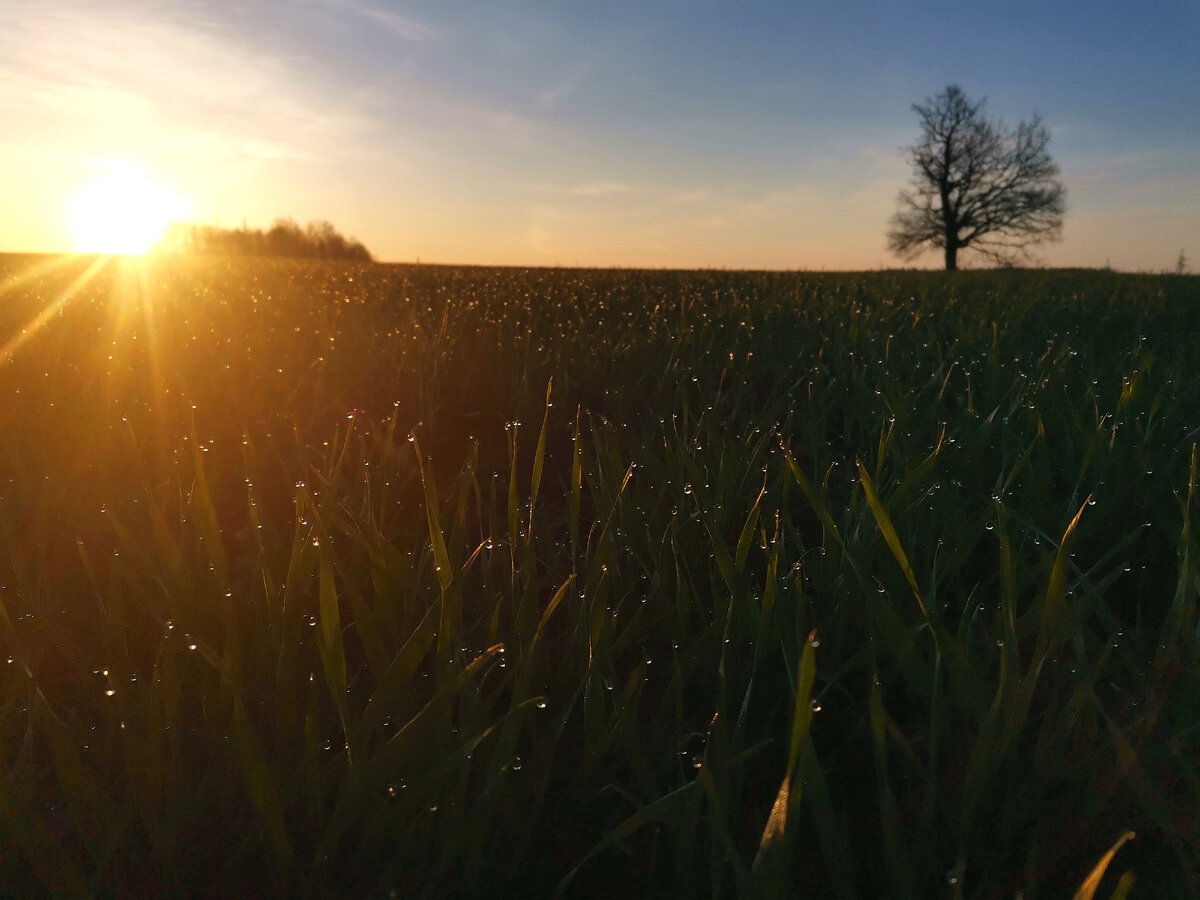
(668, 134)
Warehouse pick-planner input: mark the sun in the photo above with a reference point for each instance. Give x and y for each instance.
(123, 211)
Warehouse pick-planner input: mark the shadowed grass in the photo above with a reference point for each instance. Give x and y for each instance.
(311, 612)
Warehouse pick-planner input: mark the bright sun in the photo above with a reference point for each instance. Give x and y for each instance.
(123, 211)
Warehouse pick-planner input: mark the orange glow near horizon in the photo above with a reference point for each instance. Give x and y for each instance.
(124, 211)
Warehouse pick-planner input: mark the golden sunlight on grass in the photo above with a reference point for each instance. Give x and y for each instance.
(123, 211)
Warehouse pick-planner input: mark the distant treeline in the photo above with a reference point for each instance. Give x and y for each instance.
(317, 240)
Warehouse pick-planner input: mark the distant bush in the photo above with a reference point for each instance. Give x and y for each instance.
(317, 240)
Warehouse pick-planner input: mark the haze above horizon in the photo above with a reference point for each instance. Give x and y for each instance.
(708, 134)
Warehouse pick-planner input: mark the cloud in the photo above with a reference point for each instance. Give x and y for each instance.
(547, 100)
(404, 27)
(599, 188)
(125, 81)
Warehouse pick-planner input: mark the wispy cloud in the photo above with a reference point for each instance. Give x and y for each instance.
(547, 100)
(71, 78)
(404, 27)
(599, 188)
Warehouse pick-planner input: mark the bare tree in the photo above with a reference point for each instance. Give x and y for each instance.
(977, 186)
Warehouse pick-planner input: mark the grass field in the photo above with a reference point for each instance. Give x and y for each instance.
(354, 580)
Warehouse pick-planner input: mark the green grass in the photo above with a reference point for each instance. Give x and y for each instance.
(332, 579)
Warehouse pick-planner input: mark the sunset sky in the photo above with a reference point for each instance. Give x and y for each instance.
(739, 135)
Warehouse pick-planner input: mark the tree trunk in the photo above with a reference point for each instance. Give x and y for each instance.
(951, 256)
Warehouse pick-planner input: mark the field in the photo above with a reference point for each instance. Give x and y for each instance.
(334, 580)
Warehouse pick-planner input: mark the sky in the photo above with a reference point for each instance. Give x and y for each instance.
(666, 134)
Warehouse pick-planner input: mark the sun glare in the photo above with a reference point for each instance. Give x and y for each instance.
(123, 211)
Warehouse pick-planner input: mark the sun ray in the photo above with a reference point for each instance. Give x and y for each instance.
(34, 271)
(18, 340)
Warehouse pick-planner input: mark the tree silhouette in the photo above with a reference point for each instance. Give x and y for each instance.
(977, 186)
(319, 240)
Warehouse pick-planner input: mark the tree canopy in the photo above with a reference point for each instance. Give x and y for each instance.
(318, 240)
(977, 186)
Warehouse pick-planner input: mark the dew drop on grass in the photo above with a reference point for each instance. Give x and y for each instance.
(540, 704)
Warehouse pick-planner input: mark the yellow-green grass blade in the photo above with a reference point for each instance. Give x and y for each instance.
(770, 870)
(329, 637)
(658, 810)
(1054, 604)
(575, 489)
(1022, 460)
(718, 817)
(1087, 890)
(441, 556)
(409, 744)
(1179, 624)
(539, 457)
(288, 619)
(392, 691)
(96, 816)
(814, 500)
(884, 521)
(835, 849)
(260, 782)
(719, 548)
(895, 851)
(372, 633)
(747, 535)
